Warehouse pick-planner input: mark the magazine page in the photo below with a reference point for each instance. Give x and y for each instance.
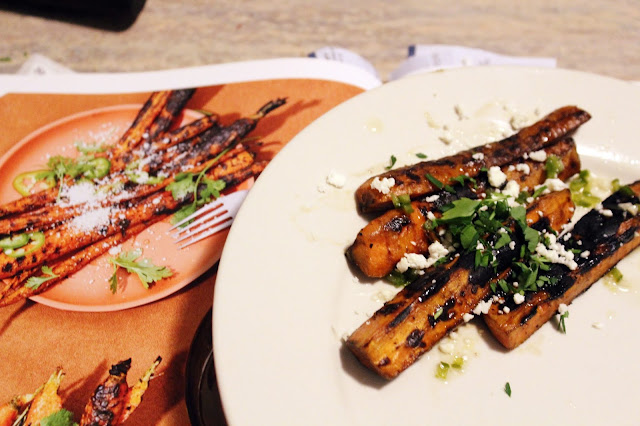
(75, 276)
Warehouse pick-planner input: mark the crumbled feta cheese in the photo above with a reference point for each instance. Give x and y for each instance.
(336, 179)
(431, 216)
(606, 212)
(538, 155)
(446, 347)
(114, 251)
(467, 317)
(496, 177)
(413, 261)
(479, 246)
(518, 121)
(630, 208)
(419, 261)
(512, 245)
(432, 198)
(518, 298)
(512, 189)
(585, 254)
(482, 307)
(562, 308)
(506, 310)
(556, 253)
(383, 185)
(478, 156)
(524, 168)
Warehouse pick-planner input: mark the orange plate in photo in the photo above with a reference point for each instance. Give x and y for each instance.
(88, 289)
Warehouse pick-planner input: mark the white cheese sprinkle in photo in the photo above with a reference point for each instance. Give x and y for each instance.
(478, 156)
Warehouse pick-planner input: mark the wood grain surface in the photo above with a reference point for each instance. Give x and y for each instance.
(599, 36)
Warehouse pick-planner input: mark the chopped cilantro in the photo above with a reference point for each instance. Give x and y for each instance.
(561, 323)
(421, 155)
(35, 282)
(392, 162)
(145, 269)
(507, 389)
(201, 188)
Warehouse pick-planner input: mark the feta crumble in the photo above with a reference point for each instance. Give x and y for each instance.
(482, 307)
(336, 179)
(419, 261)
(518, 298)
(539, 156)
(496, 177)
(383, 185)
(478, 156)
(524, 168)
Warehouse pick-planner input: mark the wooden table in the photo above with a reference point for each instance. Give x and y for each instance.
(589, 35)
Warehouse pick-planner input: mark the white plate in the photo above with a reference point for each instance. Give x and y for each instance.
(285, 295)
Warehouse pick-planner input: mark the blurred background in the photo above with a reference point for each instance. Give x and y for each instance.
(599, 36)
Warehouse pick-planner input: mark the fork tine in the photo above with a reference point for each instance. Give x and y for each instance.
(209, 207)
(212, 214)
(192, 232)
(209, 232)
(209, 219)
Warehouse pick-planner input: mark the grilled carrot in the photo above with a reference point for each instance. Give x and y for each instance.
(52, 215)
(46, 401)
(188, 131)
(134, 134)
(427, 309)
(605, 239)
(134, 398)
(16, 288)
(109, 400)
(381, 244)
(67, 237)
(413, 180)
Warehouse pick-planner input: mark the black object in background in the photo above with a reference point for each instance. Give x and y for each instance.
(111, 15)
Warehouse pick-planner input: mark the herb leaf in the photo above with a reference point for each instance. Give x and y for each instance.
(144, 269)
(392, 162)
(507, 389)
(59, 418)
(35, 282)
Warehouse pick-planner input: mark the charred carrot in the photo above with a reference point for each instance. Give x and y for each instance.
(134, 398)
(109, 400)
(46, 401)
(414, 181)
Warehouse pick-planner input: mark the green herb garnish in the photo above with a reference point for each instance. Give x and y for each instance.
(59, 418)
(507, 389)
(144, 269)
(561, 323)
(35, 282)
(421, 155)
(392, 162)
